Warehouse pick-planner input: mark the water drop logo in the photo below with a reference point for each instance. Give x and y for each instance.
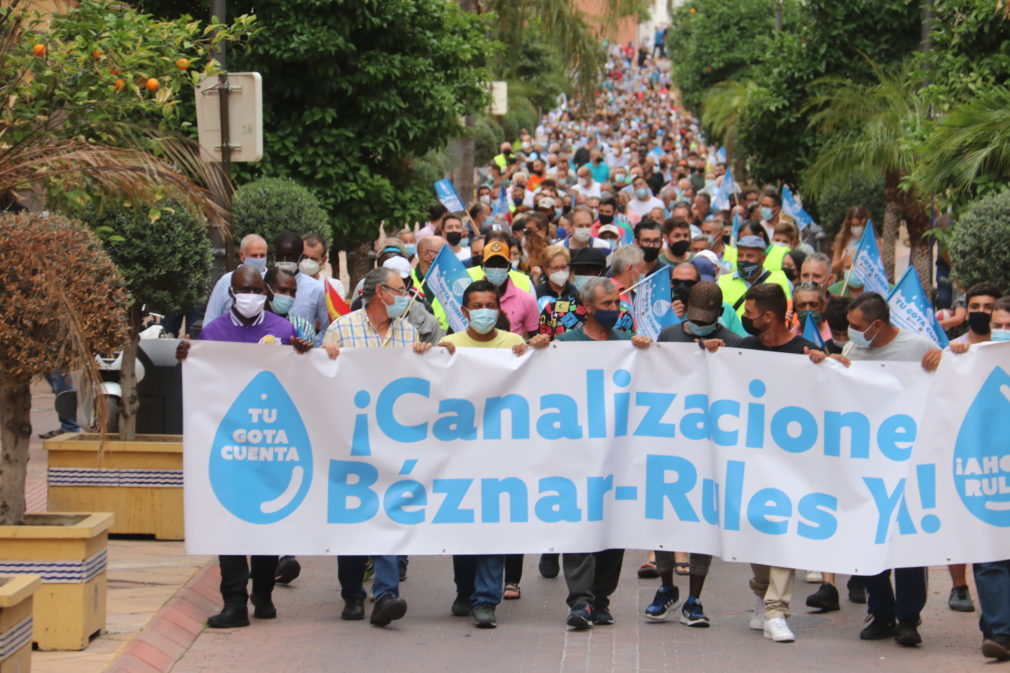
(982, 454)
(261, 459)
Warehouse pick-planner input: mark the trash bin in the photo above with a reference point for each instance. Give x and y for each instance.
(160, 391)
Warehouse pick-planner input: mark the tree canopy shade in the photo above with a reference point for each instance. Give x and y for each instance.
(354, 90)
(271, 206)
(980, 244)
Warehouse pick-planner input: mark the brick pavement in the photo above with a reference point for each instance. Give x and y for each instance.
(531, 635)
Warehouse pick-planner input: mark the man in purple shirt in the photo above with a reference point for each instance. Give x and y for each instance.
(247, 322)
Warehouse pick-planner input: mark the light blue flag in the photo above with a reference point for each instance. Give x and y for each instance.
(912, 311)
(448, 196)
(794, 210)
(501, 205)
(448, 278)
(725, 192)
(736, 229)
(811, 333)
(868, 265)
(720, 156)
(653, 305)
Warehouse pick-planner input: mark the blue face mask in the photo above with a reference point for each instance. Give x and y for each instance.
(282, 303)
(642, 193)
(859, 338)
(409, 249)
(483, 320)
(747, 269)
(1000, 335)
(496, 276)
(398, 307)
(607, 319)
(465, 242)
(579, 281)
(701, 330)
(258, 263)
(855, 281)
(766, 213)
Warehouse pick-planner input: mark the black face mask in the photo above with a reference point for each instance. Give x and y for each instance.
(650, 254)
(726, 240)
(978, 322)
(748, 325)
(606, 219)
(517, 200)
(790, 274)
(679, 248)
(454, 237)
(682, 290)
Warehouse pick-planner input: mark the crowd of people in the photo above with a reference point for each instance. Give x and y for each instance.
(566, 223)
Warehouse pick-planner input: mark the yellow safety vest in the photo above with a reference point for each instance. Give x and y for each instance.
(734, 287)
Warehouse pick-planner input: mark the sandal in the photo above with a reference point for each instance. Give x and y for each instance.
(682, 568)
(512, 592)
(648, 570)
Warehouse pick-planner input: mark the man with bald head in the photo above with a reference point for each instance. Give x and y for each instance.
(252, 252)
(427, 251)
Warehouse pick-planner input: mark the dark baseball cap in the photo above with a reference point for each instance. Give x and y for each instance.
(704, 304)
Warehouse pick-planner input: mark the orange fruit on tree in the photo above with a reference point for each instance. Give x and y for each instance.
(97, 54)
(152, 84)
(120, 84)
(39, 50)
(113, 71)
(182, 64)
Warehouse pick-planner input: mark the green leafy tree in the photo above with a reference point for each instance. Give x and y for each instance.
(980, 244)
(270, 206)
(875, 130)
(355, 91)
(166, 265)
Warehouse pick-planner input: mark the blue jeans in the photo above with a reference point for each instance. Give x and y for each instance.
(480, 576)
(992, 581)
(351, 574)
(904, 602)
(60, 381)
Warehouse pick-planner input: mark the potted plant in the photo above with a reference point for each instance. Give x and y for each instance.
(166, 267)
(16, 592)
(61, 297)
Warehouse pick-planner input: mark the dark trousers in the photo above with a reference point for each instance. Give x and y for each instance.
(513, 568)
(592, 578)
(992, 581)
(235, 573)
(904, 602)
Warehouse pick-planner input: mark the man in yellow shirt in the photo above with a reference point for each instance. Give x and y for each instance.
(479, 577)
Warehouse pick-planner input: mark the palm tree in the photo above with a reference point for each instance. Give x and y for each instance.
(721, 108)
(874, 129)
(969, 144)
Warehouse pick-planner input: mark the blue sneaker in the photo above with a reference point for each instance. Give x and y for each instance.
(692, 614)
(660, 606)
(580, 617)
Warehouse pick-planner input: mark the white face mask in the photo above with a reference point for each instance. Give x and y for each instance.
(309, 266)
(857, 232)
(582, 234)
(249, 305)
(559, 278)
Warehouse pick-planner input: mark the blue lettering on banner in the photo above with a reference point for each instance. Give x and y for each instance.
(982, 452)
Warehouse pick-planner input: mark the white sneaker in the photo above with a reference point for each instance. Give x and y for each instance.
(777, 629)
(757, 620)
(813, 577)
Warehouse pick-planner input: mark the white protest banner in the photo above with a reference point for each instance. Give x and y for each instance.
(761, 457)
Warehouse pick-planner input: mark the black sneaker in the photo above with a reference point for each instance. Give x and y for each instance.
(483, 616)
(960, 600)
(387, 608)
(601, 616)
(857, 592)
(997, 646)
(824, 599)
(549, 567)
(580, 617)
(460, 606)
(354, 609)
(230, 617)
(908, 633)
(288, 568)
(263, 607)
(878, 628)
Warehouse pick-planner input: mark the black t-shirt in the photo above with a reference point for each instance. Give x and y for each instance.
(795, 346)
(676, 334)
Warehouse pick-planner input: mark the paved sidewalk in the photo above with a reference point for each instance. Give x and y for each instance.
(531, 636)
